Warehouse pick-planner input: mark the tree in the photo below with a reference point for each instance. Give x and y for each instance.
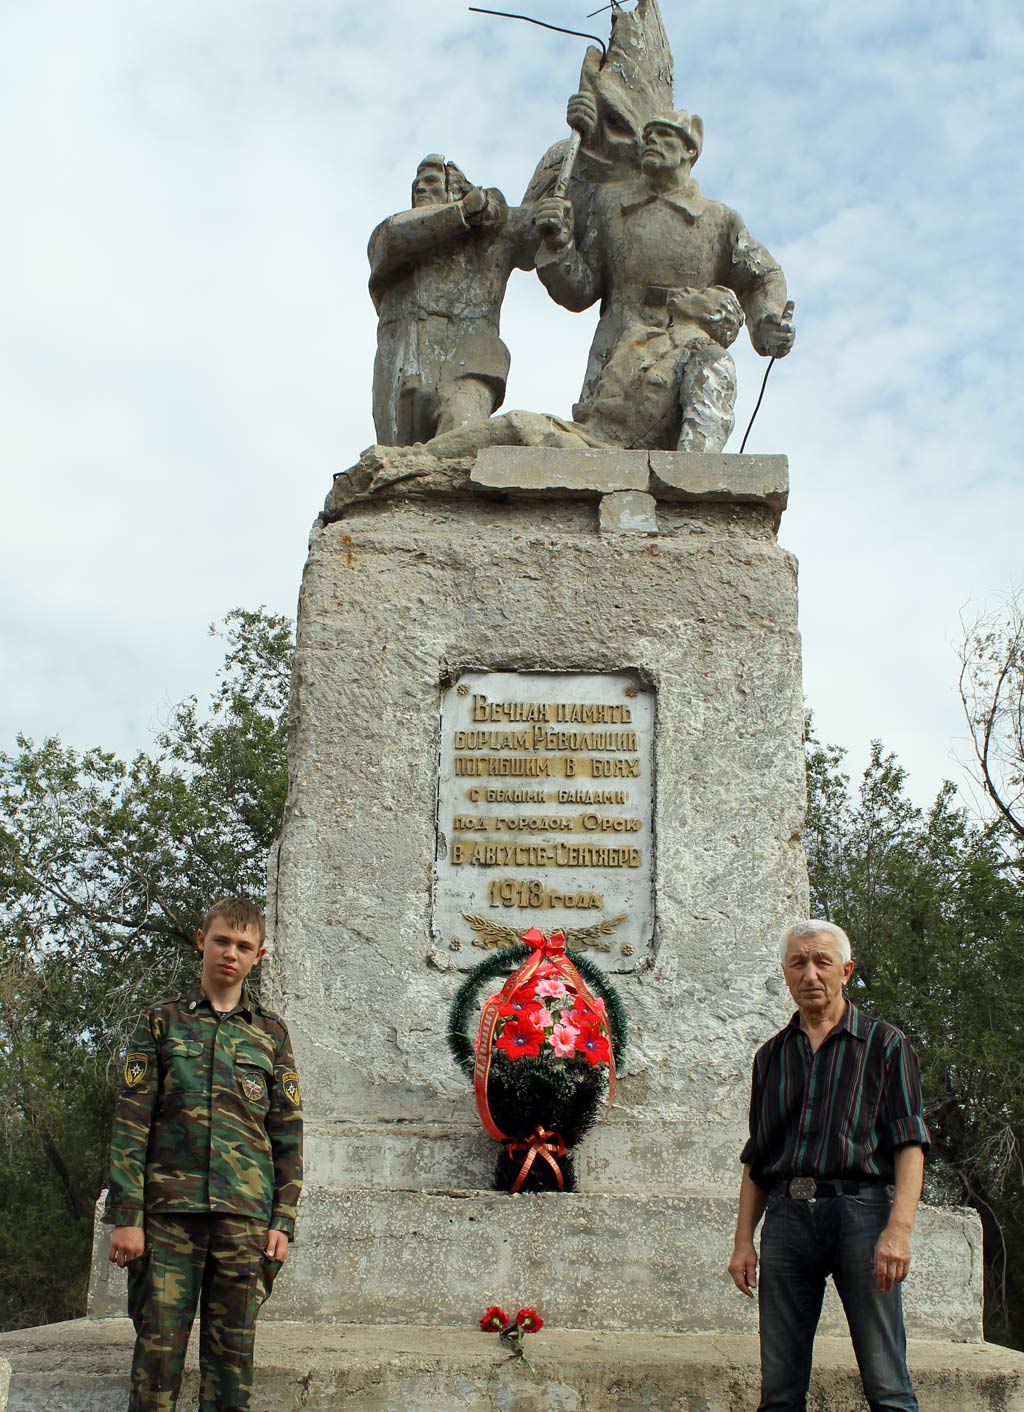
(106, 867)
(992, 695)
(936, 913)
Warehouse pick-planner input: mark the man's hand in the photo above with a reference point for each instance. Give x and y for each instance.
(126, 1243)
(892, 1257)
(277, 1246)
(474, 204)
(581, 114)
(553, 218)
(716, 310)
(743, 1267)
(773, 335)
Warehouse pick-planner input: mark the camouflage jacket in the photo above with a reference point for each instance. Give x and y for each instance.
(209, 1117)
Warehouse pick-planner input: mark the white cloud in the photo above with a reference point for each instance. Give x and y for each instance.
(188, 339)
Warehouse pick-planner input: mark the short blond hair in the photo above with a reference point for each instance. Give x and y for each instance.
(238, 912)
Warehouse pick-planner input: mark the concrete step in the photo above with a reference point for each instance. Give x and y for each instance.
(82, 1366)
(619, 1155)
(595, 1261)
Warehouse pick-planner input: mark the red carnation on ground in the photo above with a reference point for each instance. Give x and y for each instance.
(593, 1045)
(494, 1320)
(529, 1321)
(520, 1039)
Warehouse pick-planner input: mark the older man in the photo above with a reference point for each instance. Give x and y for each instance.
(437, 278)
(835, 1120)
(675, 274)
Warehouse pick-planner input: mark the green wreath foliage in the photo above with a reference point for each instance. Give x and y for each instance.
(461, 1014)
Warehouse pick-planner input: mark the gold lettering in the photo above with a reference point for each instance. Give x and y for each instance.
(589, 796)
(619, 769)
(513, 892)
(609, 823)
(586, 713)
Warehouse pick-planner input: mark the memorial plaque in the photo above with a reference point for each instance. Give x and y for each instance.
(545, 814)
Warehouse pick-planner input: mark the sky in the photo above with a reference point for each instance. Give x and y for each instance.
(187, 339)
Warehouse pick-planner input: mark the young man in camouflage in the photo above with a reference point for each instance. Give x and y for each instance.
(205, 1170)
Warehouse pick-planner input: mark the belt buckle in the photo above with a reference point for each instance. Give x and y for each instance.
(802, 1189)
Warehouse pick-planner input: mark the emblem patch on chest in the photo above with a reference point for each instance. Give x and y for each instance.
(290, 1084)
(252, 1087)
(135, 1066)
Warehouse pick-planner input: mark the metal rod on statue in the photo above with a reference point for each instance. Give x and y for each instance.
(572, 151)
(787, 314)
(506, 15)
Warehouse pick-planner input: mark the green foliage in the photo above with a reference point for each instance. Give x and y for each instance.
(934, 906)
(106, 868)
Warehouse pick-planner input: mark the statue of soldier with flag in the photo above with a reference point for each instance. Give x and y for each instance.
(676, 274)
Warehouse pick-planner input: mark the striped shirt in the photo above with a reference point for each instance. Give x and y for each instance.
(839, 1113)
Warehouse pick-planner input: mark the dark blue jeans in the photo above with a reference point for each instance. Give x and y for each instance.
(801, 1244)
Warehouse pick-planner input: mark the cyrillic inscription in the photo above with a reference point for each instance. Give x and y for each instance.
(569, 834)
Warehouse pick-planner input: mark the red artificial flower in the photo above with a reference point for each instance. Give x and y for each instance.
(494, 1320)
(529, 1321)
(585, 1011)
(520, 1038)
(521, 1002)
(593, 1045)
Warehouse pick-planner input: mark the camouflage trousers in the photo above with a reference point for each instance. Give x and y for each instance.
(213, 1262)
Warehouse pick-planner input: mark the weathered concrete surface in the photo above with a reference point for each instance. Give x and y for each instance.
(602, 1262)
(525, 468)
(5, 1382)
(520, 454)
(628, 512)
(758, 480)
(82, 1366)
(400, 595)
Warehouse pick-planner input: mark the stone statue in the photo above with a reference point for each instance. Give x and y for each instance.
(437, 278)
(676, 273)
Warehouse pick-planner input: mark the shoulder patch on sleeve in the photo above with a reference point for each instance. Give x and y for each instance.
(290, 1084)
(136, 1066)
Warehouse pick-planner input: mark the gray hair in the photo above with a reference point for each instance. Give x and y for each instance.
(801, 931)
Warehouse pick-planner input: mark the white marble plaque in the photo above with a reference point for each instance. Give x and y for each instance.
(545, 814)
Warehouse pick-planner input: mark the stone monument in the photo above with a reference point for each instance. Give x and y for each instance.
(548, 673)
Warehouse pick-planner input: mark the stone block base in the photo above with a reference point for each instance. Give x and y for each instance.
(588, 1261)
(82, 1366)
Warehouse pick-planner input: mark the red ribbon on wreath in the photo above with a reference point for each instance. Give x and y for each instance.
(541, 1143)
(547, 951)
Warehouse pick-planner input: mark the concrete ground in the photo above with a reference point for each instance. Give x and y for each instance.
(82, 1366)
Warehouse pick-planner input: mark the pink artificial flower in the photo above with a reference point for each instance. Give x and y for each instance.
(551, 989)
(581, 1016)
(563, 1040)
(541, 1017)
